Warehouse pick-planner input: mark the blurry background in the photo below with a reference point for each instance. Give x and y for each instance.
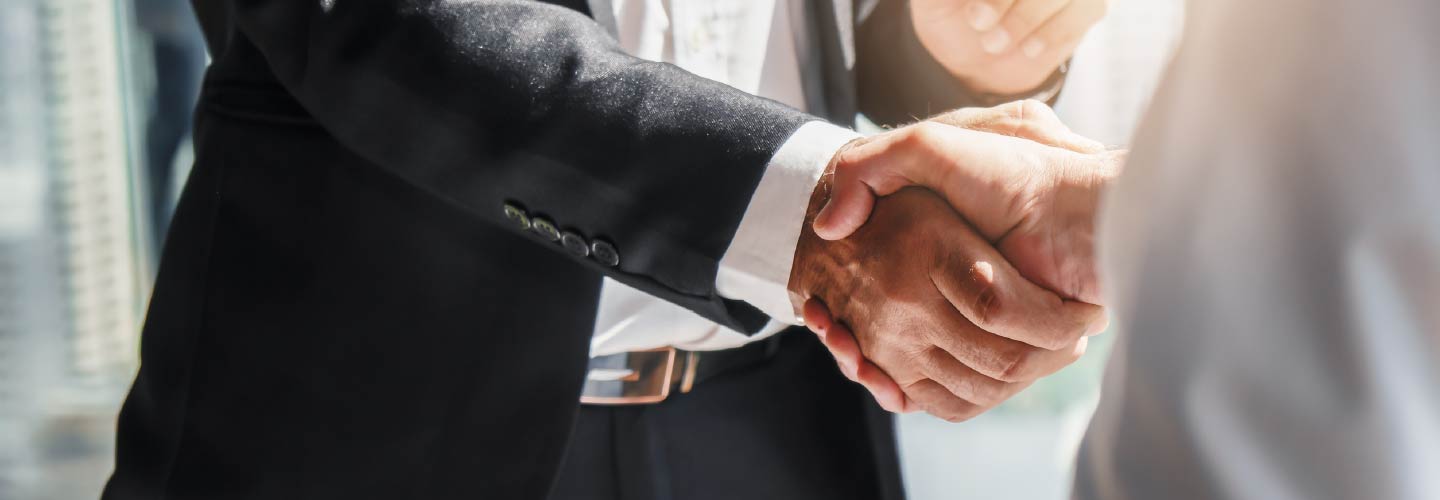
(1026, 447)
(95, 100)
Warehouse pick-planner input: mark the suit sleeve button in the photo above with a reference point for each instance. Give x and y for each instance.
(545, 228)
(517, 216)
(575, 243)
(605, 253)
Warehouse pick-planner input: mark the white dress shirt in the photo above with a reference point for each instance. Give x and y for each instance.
(1273, 256)
(754, 46)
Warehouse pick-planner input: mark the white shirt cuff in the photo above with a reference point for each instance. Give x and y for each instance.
(756, 266)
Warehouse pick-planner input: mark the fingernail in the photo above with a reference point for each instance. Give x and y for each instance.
(982, 16)
(1033, 48)
(995, 41)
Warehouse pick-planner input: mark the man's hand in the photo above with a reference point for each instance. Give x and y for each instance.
(1003, 46)
(1024, 180)
(1034, 198)
(935, 307)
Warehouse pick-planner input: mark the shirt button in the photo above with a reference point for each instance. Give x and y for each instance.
(605, 253)
(518, 216)
(575, 243)
(545, 228)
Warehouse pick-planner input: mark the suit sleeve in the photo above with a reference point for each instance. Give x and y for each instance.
(495, 104)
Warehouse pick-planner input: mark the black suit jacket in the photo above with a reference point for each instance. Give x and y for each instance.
(344, 309)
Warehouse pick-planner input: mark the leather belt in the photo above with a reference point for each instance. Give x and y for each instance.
(650, 376)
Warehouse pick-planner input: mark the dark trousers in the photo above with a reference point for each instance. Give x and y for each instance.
(788, 428)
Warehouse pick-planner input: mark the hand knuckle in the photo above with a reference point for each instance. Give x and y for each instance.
(1013, 109)
(932, 361)
(988, 308)
(910, 387)
(846, 158)
(1057, 341)
(1032, 109)
(967, 414)
(1018, 366)
(926, 135)
(989, 393)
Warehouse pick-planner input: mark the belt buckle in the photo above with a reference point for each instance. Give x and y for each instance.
(637, 377)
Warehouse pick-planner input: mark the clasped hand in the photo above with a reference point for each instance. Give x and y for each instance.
(949, 264)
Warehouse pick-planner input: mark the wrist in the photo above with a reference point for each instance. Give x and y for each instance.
(812, 258)
(756, 267)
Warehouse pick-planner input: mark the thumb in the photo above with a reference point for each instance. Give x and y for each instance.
(847, 209)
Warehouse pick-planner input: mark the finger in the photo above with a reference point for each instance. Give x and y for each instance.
(877, 166)
(1026, 16)
(964, 382)
(998, 357)
(936, 400)
(982, 15)
(886, 392)
(848, 208)
(989, 292)
(958, 163)
(835, 337)
(1063, 30)
(817, 317)
(846, 351)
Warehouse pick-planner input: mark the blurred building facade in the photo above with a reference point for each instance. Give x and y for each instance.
(70, 268)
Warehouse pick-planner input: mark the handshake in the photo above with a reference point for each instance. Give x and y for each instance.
(949, 264)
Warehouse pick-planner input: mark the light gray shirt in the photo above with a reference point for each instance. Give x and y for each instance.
(1272, 253)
